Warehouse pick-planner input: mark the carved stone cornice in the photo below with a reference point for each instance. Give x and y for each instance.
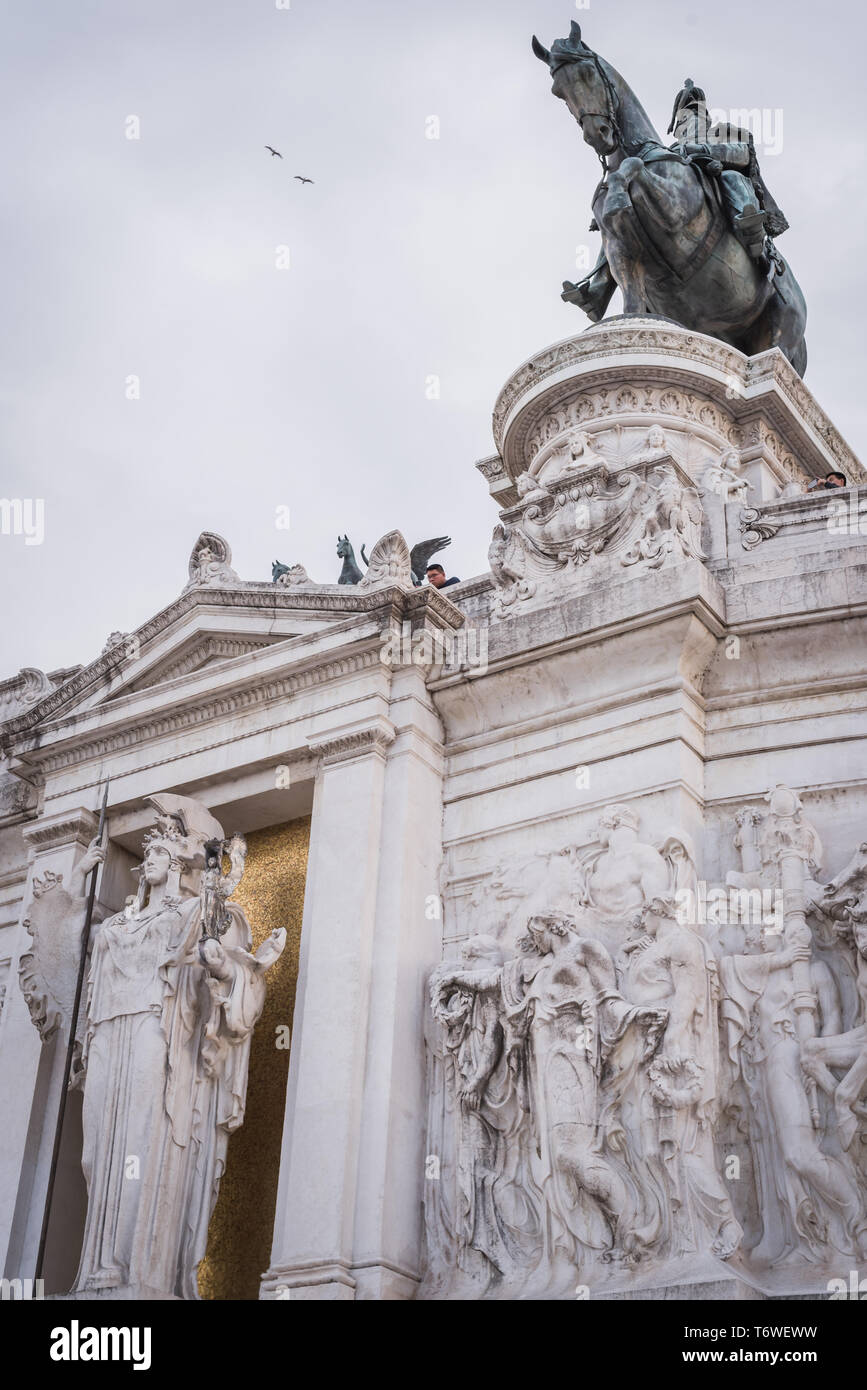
(374, 739)
(772, 366)
(427, 602)
(339, 601)
(714, 387)
(617, 337)
(491, 467)
(76, 827)
(205, 711)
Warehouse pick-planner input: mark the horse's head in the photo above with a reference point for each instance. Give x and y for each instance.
(343, 547)
(582, 82)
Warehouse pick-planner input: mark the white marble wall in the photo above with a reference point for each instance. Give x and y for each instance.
(685, 665)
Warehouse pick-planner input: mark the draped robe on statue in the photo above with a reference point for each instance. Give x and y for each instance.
(165, 1054)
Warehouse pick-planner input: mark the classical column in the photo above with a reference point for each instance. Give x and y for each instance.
(313, 1227)
(30, 1091)
(348, 1221)
(407, 945)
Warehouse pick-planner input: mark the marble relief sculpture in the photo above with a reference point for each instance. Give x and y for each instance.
(211, 563)
(497, 1207)
(844, 903)
(645, 512)
(675, 1099)
(173, 995)
(587, 1062)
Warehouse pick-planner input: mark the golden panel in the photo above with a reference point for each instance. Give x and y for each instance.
(239, 1237)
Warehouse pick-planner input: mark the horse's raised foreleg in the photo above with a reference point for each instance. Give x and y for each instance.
(669, 203)
(618, 180)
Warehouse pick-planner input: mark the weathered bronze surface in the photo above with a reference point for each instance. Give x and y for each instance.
(687, 231)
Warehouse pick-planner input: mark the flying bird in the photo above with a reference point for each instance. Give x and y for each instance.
(301, 179)
(273, 152)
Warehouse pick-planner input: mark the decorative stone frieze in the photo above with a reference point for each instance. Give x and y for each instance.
(611, 379)
(48, 834)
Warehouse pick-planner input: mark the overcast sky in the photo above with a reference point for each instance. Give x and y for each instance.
(263, 387)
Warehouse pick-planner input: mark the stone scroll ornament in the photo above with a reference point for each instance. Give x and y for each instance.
(646, 514)
(173, 995)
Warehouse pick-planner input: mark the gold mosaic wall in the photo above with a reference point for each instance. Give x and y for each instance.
(239, 1238)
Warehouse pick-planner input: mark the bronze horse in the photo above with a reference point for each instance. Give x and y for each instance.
(666, 237)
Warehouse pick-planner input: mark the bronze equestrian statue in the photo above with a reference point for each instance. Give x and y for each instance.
(687, 230)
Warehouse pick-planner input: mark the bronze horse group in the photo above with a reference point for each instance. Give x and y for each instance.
(668, 242)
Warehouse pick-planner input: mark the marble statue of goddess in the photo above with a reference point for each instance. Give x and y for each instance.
(169, 1018)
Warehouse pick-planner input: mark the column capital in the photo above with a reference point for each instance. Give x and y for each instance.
(76, 827)
(349, 743)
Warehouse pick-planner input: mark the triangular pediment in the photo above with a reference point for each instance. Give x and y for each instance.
(214, 637)
(202, 641)
(202, 630)
(202, 651)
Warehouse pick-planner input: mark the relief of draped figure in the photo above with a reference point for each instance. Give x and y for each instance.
(614, 1069)
(671, 1105)
(518, 1097)
(808, 1201)
(646, 1043)
(564, 1019)
(482, 1200)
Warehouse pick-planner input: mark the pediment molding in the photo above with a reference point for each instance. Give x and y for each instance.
(205, 711)
(337, 603)
(204, 652)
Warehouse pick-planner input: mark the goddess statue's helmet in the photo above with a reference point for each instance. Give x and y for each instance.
(183, 828)
(563, 51)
